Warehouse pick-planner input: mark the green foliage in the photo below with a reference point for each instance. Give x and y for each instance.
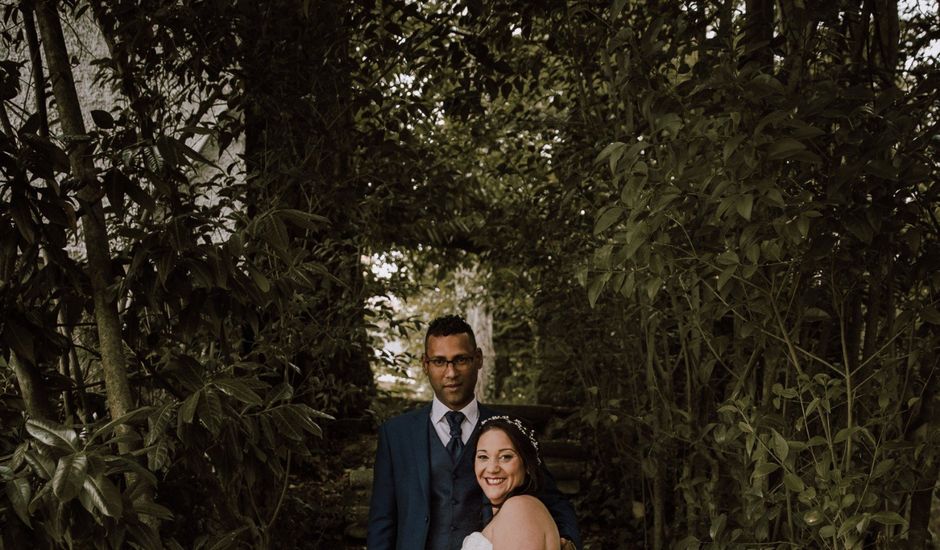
(58, 479)
(236, 432)
(240, 324)
(773, 235)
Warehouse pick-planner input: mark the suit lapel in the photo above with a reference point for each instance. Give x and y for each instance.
(422, 457)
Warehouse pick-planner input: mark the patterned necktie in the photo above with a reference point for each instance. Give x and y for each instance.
(455, 445)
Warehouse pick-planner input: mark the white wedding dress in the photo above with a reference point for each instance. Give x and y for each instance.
(476, 541)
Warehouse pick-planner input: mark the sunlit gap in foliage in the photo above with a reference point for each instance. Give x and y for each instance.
(908, 10)
(394, 369)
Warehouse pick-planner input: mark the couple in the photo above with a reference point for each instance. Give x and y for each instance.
(434, 465)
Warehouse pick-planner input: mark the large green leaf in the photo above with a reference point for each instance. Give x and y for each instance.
(765, 469)
(103, 119)
(607, 219)
(70, 476)
(103, 495)
(598, 281)
(731, 145)
(158, 455)
(19, 455)
(793, 483)
(882, 468)
(42, 465)
(159, 421)
(780, 446)
(717, 526)
(239, 390)
(54, 435)
(210, 411)
(188, 409)
(612, 154)
(744, 204)
(20, 492)
(281, 392)
(152, 509)
(288, 421)
(262, 282)
(784, 148)
(888, 518)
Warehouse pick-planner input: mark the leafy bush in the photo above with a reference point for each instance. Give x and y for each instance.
(216, 454)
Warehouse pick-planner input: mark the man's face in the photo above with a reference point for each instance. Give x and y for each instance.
(454, 376)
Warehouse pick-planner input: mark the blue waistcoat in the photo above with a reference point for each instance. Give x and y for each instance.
(456, 499)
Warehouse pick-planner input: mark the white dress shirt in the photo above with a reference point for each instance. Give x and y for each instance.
(471, 414)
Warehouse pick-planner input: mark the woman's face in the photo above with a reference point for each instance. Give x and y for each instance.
(498, 466)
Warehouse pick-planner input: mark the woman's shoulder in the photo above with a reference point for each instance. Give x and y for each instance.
(523, 504)
(523, 522)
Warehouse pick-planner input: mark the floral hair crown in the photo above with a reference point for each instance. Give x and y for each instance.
(528, 433)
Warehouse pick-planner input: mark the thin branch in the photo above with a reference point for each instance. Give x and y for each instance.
(35, 58)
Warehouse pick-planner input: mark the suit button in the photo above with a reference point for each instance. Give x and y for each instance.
(455, 475)
(453, 528)
(453, 501)
(426, 519)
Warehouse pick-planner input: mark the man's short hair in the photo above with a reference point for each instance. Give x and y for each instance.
(449, 325)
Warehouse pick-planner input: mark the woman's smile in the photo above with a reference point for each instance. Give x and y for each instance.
(498, 466)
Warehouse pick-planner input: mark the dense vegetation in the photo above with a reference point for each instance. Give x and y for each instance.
(711, 228)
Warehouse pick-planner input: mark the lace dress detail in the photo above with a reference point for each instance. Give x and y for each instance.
(476, 541)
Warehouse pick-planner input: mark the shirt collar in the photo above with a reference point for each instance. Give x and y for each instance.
(471, 411)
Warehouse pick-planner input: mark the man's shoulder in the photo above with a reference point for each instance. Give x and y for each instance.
(407, 418)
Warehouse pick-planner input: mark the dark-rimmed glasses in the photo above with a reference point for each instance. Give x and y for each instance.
(459, 362)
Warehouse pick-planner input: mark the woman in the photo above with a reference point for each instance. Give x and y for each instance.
(507, 469)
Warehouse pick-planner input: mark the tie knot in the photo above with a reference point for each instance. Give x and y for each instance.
(455, 419)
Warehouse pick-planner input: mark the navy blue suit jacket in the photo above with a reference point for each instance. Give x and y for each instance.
(399, 514)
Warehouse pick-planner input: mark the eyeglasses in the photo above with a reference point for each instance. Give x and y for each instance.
(459, 362)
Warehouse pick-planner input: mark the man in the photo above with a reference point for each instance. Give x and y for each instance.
(424, 492)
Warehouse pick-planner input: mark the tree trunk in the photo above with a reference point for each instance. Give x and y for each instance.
(888, 33)
(759, 32)
(95, 231)
(31, 389)
(480, 318)
(798, 26)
